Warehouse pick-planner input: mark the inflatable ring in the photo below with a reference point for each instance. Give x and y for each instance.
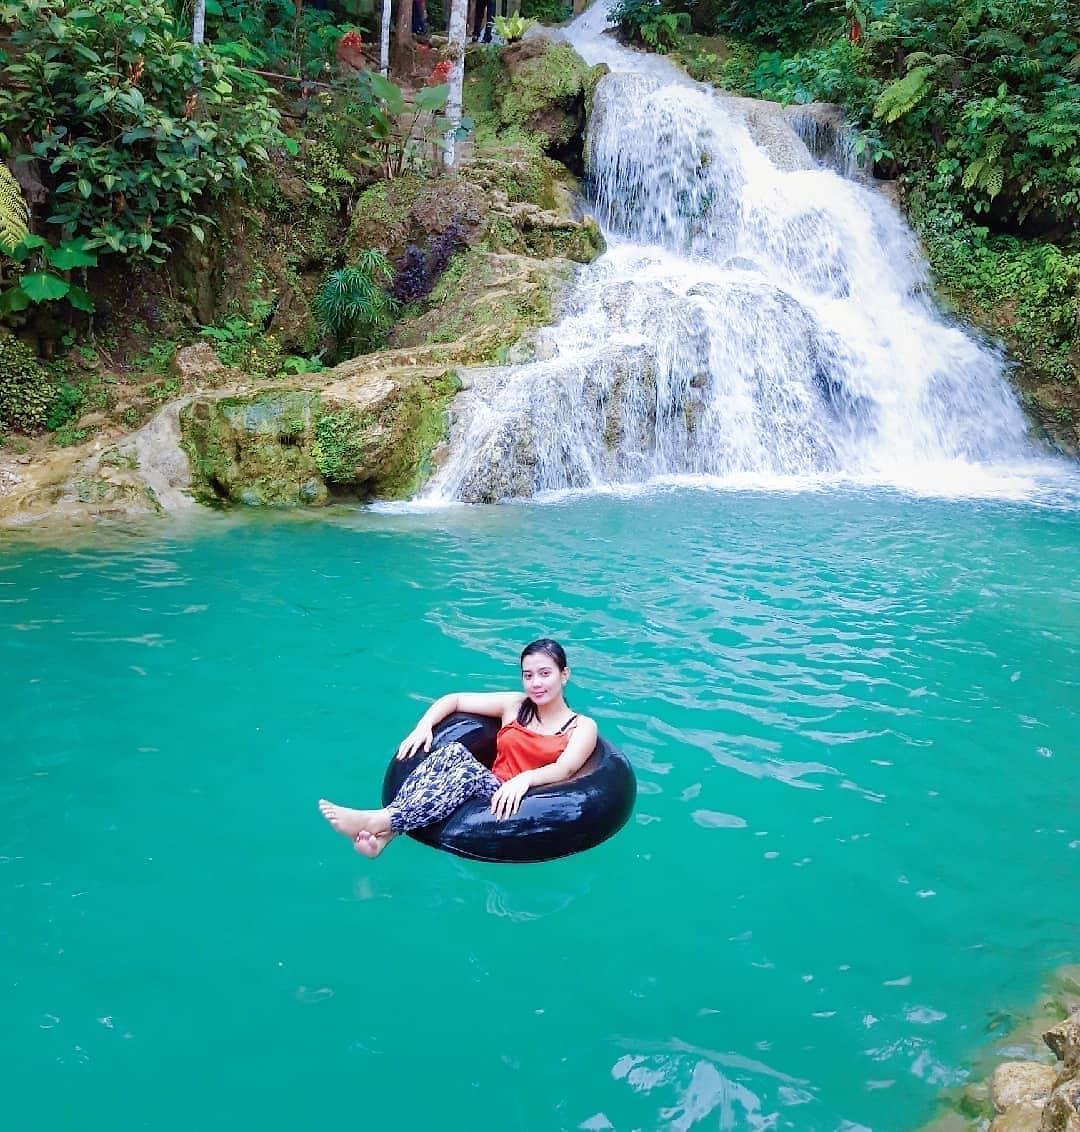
(553, 821)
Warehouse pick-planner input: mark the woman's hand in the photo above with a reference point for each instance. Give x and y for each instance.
(506, 800)
(418, 739)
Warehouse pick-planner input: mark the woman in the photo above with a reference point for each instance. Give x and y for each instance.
(541, 742)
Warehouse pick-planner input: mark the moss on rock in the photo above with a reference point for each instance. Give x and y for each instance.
(368, 434)
(485, 303)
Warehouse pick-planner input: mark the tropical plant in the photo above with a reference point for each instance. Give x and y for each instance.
(656, 23)
(27, 392)
(402, 131)
(352, 302)
(47, 279)
(130, 126)
(512, 28)
(547, 11)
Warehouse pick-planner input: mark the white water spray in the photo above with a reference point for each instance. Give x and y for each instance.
(754, 317)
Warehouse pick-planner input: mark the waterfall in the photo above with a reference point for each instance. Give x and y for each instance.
(755, 317)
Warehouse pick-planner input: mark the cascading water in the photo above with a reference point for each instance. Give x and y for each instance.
(754, 317)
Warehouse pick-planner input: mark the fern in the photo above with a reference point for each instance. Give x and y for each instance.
(14, 214)
(903, 95)
(972, 173)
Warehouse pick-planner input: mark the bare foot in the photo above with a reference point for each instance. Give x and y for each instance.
(371, 845)
(352, 822)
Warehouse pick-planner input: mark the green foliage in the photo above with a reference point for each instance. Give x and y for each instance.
(66, 405)
(992, 85)
(903, 95)
(131, 127)
(44, 271)
(774, 22)
(339, 445)
(27, 391)
(512, 28)
(656, 23)
(1028, 289)
(242, 342)
(352, 303)
(402, 132)
(14, 214)
(268, 34)
(839, 73)
(547, 11)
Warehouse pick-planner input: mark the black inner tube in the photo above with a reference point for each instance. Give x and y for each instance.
(553, 821)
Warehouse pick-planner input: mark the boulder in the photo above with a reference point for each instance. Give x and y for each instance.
(1021, 1082)
(197, 363)
(1019, 1118)
(543, 91)
(1062, 1110)
(368, 433)
(1064, 1040)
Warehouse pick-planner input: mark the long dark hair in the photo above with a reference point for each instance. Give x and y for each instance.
(552, 649)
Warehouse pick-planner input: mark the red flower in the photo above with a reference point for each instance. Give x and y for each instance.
(440, 73)
(350, 50)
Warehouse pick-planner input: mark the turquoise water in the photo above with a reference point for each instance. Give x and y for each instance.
(853, 718)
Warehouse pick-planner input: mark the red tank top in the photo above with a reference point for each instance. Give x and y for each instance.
(518, 749)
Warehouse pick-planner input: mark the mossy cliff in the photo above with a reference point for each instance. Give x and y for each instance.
(367, 434)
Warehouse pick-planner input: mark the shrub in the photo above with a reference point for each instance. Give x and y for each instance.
(132, 127)
(417, 272)
(27, 393)
(352, 303)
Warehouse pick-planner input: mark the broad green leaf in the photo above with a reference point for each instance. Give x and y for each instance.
(80, 300)
(40, 286)
(26, 245)
(102, 99)
(71, 253)
(197, 232)
(14, 299)
(432, 97)
(390, 93)
(84, 187)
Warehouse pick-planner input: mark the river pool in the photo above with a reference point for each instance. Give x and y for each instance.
(854, 721)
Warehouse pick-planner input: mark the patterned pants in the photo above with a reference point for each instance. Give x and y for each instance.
(449, 776)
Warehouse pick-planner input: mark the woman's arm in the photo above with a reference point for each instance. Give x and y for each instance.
(499, 705)
(507, 798)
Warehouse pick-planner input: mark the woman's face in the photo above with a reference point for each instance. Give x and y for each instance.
(542, 679)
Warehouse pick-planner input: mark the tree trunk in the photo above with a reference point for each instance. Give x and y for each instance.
(403, 40)
(384, 39)
(198, 32)
(456, 33)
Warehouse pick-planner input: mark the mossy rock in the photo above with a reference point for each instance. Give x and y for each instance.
(547, 84)
(369, 434)
(485, 303)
